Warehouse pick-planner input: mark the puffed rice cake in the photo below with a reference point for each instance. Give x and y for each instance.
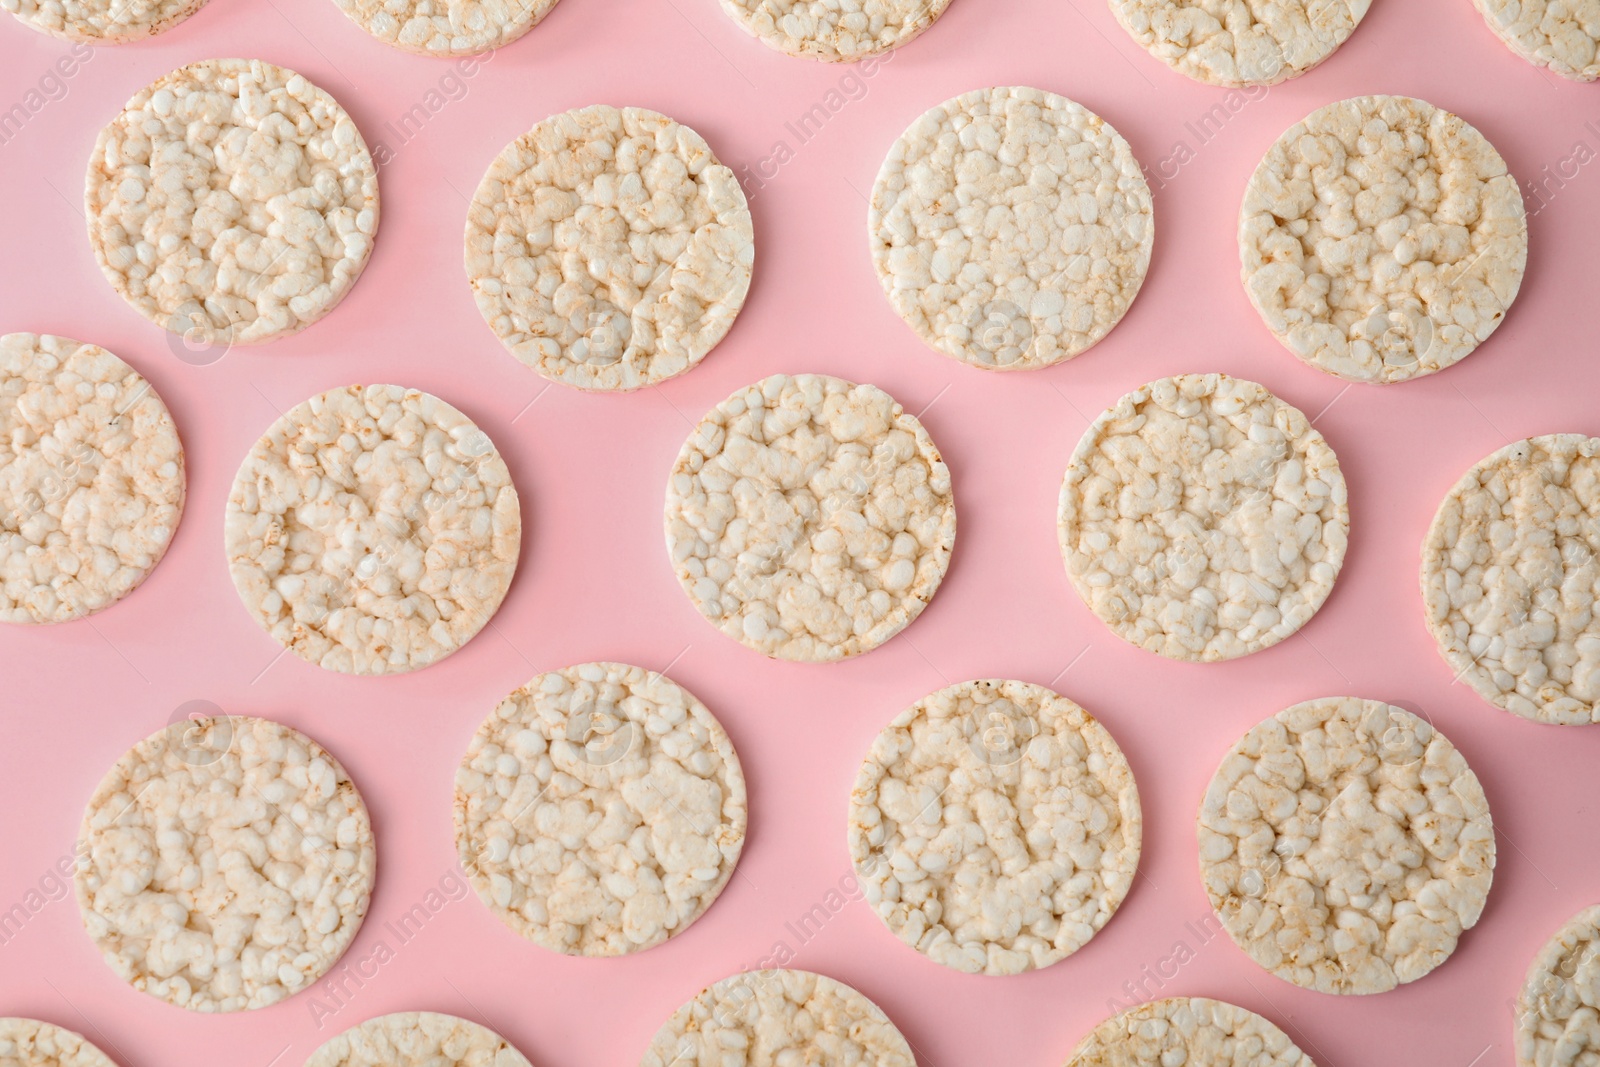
(1563, 35)
(1510, 578)
(91, 479)
(233, 200)
(31, 1043)
(608, 249)
(1382, 239)
(776, 1018)
(229, 862)
(373, 530)
(835, 31)
(995, 827)
(1240, 42)
(446, 27)
(1202, 518)
(1558, 1009)
(1192, 1031)
(600, 809)
(102, 22)
(417, 1039)
(1011, 228)
(809, 517)
(1346, 845)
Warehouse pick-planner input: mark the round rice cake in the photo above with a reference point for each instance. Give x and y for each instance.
(779, 1016)
(1558, 1009)
(417, 1039)
(809, 517)
(1011, 228)
(232, 201)
(373, 530)
(228, 863)
(1239, 43)
(102, 22)
(995, 827)
(1192, 1031)
(31, 1043)
(1382, 239)
(600, 810)
(1346, 845)
(1202, 518)
(608, 249)
(1510, 578)
(447, 28)
(1563, 35)
(91, 479)
(836, 31)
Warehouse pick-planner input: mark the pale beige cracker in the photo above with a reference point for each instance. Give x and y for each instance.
(1562, 35)
(232, 201)
(102, 22)
(1510, 578)
(835, 31)
(779, 1018)
(31, 1043)
(1382, 239)
(374, 529)
(91, 479)
(228, 865)
(810, 518)
(417, 1039)
(1558, 1009)
(1202, 518)
(446, 27)
(1346, 845)
(1011, 228)
(1191, 1031)
(1239, 43)
(608, 249)
(995, 827)
(600, 809)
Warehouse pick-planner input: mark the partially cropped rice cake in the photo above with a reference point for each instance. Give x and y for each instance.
(1510, 578)
(102, 22)
(417, 1039)
(776, 1018)
(446, 27)
(1187, 1031)
(1558, 1010)
(31, 1043)
(836, 31)
(1240, 42)
(1562, 35)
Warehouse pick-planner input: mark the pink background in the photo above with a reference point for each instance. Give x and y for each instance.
(595, 582)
